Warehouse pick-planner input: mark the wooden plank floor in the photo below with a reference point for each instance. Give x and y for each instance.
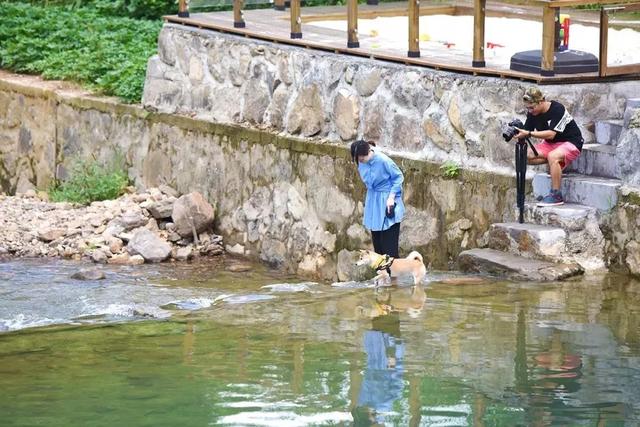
(274, 26)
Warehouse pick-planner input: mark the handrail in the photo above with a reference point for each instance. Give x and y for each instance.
(550, 10)
(605, 69)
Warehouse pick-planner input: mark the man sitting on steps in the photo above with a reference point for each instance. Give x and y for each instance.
(550, 120)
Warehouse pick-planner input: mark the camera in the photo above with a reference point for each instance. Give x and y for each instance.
(510, 130)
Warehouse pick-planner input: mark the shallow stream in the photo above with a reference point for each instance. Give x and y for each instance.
(199, 345)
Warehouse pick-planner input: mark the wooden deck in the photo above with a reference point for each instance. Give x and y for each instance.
(274, 26)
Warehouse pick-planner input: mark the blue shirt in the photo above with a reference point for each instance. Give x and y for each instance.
(381, 176)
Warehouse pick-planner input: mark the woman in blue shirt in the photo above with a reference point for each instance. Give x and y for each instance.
(383, 207)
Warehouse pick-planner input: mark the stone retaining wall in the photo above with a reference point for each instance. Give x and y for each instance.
(290, 202)
(424, 113)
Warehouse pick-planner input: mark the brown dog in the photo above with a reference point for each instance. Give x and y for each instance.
(384, 265)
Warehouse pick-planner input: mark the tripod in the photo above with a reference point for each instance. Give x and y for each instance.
(521, 173)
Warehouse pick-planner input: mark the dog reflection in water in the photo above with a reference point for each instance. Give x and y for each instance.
(389, 300)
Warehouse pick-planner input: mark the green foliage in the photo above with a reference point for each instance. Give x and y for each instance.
(107, 54)
(139, 9)
(90, 182)
(450, 169)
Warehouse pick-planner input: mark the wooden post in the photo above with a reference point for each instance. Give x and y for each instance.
(278, 5)
(604, 42)
(352, 24)
(238, 20)
(479, 14)
(183, 8)
(414, 29)
(548, 37)
(296, 21)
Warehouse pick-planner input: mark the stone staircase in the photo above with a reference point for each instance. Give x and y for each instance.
(560, 241)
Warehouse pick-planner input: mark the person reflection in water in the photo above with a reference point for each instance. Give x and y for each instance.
(382, 382)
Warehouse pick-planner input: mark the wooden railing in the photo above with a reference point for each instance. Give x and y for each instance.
(605, 69)
(550, 13)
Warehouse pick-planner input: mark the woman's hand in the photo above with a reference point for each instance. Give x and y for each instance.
(391, 200)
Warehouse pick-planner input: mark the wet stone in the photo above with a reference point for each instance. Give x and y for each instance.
(88, 274)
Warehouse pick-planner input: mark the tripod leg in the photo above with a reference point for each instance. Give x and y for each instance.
(521, 171)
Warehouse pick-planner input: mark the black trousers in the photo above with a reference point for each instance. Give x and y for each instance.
(386, 242)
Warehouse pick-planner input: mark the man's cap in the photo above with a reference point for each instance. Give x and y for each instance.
(533, 95)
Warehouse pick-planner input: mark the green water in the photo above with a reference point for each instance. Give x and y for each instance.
(493, 354)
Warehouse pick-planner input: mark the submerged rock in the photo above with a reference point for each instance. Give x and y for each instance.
(88, 274)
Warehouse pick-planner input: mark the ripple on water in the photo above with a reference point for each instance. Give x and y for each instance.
(291, 287)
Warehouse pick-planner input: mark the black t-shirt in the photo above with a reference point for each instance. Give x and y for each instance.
(558, 119)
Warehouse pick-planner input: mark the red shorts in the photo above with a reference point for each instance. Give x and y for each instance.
(570, 151)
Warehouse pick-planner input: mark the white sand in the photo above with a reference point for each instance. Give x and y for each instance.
(511, 36)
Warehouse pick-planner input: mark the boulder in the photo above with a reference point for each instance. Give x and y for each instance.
(190, 212)
(88, 274)
(51, 234)
(348, 270)
(161, 209)
(99, 256)
(183, 254)
(147, 244)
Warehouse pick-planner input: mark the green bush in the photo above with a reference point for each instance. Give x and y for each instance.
(139, 9)
(107, 54)
(89, 182)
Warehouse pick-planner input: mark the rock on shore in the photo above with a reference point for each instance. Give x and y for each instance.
(133, 229)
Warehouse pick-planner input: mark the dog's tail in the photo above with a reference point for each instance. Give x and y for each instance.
(415, 255)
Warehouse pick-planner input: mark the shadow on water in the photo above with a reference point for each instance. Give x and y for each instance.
(221, 347)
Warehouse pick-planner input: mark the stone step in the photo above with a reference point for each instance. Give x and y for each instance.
(632, 105)
(513, 266)
(600, 193)
(528, 240)
(596, 160)
(608, 131)
(570, 216)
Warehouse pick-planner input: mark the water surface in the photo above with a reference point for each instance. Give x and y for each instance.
(196, 345)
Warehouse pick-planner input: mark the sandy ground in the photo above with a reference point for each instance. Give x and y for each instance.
(505, 36)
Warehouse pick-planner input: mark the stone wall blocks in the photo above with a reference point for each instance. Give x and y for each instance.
(346, 114)
(306, 115)
(196, 70)
(156, 68)
(438, 129)
(216, 64)
(276, 109)
(628, 156)
(374, 117)
(257, 97)
(284, 69)
(406, 134)
(408, 92)
(167, 46)
(367, 80)
(239, 60)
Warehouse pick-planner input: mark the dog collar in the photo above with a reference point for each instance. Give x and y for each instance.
(385, 264)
